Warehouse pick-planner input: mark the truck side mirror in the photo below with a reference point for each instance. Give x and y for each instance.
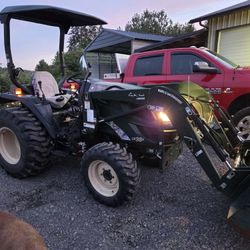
(203, 67)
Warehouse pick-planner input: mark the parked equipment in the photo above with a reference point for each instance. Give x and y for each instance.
(114, 125)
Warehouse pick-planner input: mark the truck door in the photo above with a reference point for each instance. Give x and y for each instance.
(181, 69)
(147, 69)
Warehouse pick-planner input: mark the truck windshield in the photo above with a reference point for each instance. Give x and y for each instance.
(226, 62)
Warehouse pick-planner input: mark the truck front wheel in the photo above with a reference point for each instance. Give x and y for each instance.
(110, 173)
(242, 121)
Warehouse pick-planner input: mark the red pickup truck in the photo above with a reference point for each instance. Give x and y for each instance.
(227, 82)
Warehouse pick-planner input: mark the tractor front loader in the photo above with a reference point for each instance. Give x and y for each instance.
(144, 120)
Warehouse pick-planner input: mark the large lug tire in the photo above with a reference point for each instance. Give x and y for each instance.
(242, 121)
(25, 145)
(110, 173)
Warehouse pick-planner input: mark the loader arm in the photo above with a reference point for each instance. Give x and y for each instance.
(187, 120)
(235, 183)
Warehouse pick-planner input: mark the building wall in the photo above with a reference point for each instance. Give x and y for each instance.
(136, 44)
(101, 63)
(234, 19)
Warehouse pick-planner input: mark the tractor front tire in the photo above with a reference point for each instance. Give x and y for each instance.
(25, 145)
(242, 121)
(110, 173)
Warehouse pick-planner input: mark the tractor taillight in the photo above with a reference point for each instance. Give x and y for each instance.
(19, 92)
(73, 86)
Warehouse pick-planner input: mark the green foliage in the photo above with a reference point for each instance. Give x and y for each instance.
(25, 77)
(4, 80)
(42, 66)
(159, 23)
(71, 62)
(72, 59)
(80, 37)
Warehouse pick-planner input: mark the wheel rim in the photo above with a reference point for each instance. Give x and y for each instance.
(244, 127)
(103, 178)
(9, 146)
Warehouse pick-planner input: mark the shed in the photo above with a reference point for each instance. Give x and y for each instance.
(123, 42)
(100, 53)
(229, 32)
(197, 38)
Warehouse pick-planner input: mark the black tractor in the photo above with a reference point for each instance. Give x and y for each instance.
(115, 125)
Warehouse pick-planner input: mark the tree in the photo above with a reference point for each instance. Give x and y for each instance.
(4, 80)
(71, 62)
(158, 23)
(42, 66)
(80, 37)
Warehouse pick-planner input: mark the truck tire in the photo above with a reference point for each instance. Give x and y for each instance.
(25, 145)
(110, 173)
(242, 121)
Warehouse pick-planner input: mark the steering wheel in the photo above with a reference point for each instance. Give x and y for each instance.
(72, 78)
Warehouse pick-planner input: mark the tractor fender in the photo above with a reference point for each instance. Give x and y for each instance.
(41, 110)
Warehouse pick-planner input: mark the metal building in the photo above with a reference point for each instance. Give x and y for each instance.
(229, 32)
(101, 52)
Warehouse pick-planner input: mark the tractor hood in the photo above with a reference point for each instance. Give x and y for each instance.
(49, 15)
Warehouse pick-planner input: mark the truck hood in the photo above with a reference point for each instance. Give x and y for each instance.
(243, 70)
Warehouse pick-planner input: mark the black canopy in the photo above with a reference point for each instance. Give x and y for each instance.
(43, 14)
(49, 15)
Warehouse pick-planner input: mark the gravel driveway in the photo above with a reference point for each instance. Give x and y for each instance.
(175, 210)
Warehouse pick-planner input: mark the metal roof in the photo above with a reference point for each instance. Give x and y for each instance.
(197, 38)
(137, 35)
(118, 41)
(49, 15)
(222, 11)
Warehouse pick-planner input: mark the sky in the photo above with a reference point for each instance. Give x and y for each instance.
(32, 42)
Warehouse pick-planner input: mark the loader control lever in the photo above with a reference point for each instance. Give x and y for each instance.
(40, 86)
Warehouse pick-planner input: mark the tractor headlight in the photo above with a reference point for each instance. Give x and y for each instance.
(160, 115)
(163, 117)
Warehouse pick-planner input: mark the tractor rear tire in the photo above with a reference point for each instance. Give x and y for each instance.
(25, 145)
(110, 173)
(242, 121)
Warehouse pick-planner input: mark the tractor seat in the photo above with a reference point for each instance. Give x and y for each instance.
(49, 88)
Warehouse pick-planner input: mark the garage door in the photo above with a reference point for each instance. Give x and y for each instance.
(235, 44)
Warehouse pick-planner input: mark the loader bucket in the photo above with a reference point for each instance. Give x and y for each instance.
(239, 213)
